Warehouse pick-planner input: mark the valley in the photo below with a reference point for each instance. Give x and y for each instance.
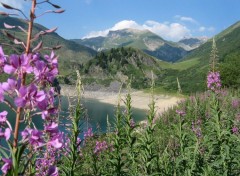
(130, 55)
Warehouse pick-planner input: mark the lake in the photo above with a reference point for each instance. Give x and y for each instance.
(97, 113)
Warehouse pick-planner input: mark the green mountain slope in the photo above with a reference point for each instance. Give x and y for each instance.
(144, 40)
(192, 70)
(227, 42)
(122, 65)
(70, 53)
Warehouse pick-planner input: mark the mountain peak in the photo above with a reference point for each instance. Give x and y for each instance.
(190, 43)
(126, 32)
(144, 40)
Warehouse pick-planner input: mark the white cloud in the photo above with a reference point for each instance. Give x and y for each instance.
(126, 24)
(202, 29)
(209, 29)
(187, 19)
(169, 31)
(14, 3)
(118, 26)
(96, 34)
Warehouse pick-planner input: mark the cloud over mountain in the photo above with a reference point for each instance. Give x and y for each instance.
(169, 31)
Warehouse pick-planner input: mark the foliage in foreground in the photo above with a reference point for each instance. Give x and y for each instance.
(200, 136)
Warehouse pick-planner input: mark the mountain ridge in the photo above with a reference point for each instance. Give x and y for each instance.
(144, 40)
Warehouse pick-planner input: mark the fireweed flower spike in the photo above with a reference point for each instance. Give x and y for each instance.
(213, 81)
(29, 86)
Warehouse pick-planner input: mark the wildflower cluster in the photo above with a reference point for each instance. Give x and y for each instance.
(88, 133)
(213, 81)
(32, 97)
(100, 147)
(30, 87)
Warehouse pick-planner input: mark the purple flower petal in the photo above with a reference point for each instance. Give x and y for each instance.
(43, 105)
(52, 128)
(40, 96)
(9, 69)
(3, 116)
(20, 102)
(25, 133)
(23, 91)
(56, 143)
(7, 133)
(7, 166)
(14, 60)
(52, 171)
(10, 85)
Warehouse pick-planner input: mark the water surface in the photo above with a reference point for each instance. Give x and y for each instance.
(96, 114)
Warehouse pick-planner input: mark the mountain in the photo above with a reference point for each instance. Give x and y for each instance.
(227, 41)
(144, 40)
(192, 43)
(193, 68)
(122, 65)
(69, 54)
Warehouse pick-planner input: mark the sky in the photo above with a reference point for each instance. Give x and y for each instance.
(170, 19)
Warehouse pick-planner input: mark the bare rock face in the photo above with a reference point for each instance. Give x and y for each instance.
(153, 45)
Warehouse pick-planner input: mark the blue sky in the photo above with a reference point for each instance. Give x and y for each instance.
(171, 19)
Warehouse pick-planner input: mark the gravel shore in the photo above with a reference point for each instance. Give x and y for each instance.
(140, 99)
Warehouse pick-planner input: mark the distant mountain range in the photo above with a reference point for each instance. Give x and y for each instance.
(144, 40)
(191, 69)
(228, 41)
(131, 54)
(192, 43)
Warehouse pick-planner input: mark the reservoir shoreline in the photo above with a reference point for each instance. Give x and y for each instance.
(140, 99)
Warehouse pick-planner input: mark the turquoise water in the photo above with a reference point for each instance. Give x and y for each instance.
(97, 113)
(96, 117)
